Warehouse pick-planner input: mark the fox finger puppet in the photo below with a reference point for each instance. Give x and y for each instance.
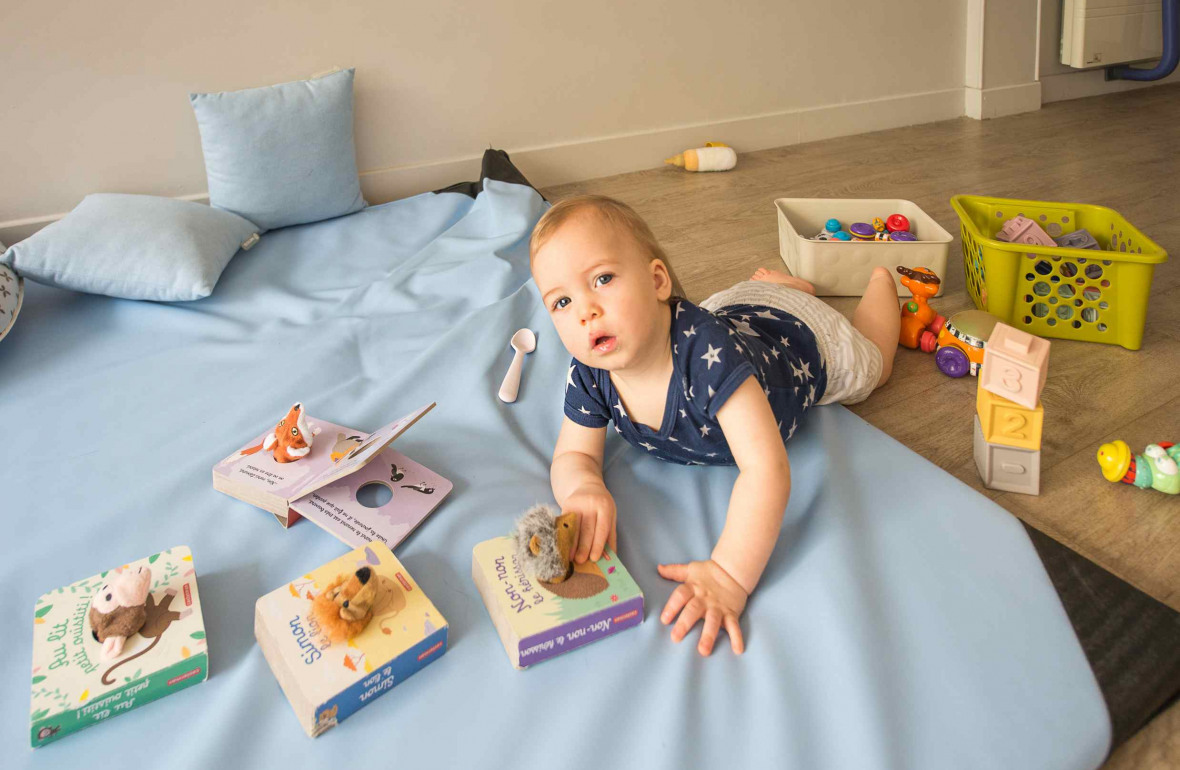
(345, 607)
(291, 439)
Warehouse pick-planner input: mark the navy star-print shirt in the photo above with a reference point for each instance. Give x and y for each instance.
(712, 354)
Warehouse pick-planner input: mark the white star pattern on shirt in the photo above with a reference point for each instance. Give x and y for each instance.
(811, 394)
(739, 347)
(569, 377)
(807, 369)
(691, 331)
(583, 410)
(791, 432)
(619, 406)
(766, 358)
(766, 314)
(711, 454)
(767, 391)
(745, 328)
(799, 324)
(616, 427)
(704, 431)
(712, 355)
(675, 350)
(673, 438)
(774, 352)
(796, 372)
(690, 393)
(745, 317)
(711, 391)
(731, 332)
(682, 414)
(679, 307)
(647, 446)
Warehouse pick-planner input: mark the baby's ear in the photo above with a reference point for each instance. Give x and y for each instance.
(662, 277)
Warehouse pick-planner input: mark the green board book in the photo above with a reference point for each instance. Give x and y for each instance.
(74, 686)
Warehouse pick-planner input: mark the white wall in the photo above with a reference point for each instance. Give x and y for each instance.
(95, 94)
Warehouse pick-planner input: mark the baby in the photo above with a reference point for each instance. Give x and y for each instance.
(723, 383)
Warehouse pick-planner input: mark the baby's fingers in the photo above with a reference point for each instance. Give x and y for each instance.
(677, 572)
(587, 522)
(614, 536)
(734, 629)
(675, 603)
(692, 612)
(709, 632)
(602, 530)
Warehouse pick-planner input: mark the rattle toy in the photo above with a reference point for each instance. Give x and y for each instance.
(1155, 469)
(714, 156)
(919, 322)
(959, 348)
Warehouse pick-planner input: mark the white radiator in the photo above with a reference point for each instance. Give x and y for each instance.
(1098, 33)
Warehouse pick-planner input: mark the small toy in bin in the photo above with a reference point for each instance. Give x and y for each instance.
(1079, 239)
(959, 349)
(920, 323)
(862, 231)
(879, 225)
(831, 232)
(897, 223)
(1155, 469)
(1023, 230)
(902, 235)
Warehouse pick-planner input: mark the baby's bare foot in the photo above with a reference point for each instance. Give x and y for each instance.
(777, 276)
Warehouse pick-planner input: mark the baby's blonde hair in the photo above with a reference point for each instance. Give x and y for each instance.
(616, 213)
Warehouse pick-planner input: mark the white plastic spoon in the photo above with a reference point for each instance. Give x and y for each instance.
(524, 341)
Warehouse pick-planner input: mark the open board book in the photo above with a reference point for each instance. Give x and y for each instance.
(324, 485)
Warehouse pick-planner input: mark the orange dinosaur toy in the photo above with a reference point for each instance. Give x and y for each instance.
(291, 439)
(920, 323)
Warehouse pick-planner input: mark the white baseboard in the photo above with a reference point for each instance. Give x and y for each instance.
(985, 103)
(592, 158)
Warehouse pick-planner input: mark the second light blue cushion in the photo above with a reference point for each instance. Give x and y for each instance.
(133, 246)
(284, 154)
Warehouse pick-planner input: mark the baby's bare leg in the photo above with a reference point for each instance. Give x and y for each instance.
(777, 276)
(878, 317)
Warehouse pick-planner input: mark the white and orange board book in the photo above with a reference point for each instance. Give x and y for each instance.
(327, 485)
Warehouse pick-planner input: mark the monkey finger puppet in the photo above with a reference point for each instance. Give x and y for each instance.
(119, 609)
(345, 607)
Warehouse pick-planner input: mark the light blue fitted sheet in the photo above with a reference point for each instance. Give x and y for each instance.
(904, 621)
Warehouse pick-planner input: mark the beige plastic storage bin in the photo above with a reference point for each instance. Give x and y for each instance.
(842, 268)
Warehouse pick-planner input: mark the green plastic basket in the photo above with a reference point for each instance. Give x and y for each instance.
(1073, 294)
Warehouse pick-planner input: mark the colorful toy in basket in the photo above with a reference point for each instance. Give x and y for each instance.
(832, 232)
(714, 156)
(1156, 468)
(1008, 432)
(920, 323)
(961, 341)
(1051, 291)
(1078, 239)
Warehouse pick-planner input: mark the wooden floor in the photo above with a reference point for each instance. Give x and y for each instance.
(1119, 151)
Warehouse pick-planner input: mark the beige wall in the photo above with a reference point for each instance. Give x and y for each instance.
(95, 94)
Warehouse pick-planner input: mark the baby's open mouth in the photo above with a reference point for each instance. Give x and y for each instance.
(603, 343)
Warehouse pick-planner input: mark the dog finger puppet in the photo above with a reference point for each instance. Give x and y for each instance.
(345, 607)
(545, 544)
(119, 609)
(291, 440)
(1155, 469)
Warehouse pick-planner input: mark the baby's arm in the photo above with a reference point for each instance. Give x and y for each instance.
(576, 477)
(717, 590)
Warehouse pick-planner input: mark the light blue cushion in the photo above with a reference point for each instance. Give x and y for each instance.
(282, 155)
(133, 246)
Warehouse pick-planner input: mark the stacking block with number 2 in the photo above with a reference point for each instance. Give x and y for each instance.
(1008, 423)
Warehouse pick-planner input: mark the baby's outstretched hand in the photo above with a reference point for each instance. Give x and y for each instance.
(596, 515)
(705, 591)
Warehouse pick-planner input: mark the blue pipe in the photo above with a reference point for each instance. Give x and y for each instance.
(1171, 56)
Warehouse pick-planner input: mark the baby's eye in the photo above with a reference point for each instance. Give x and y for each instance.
(603, 279)
(559, 304)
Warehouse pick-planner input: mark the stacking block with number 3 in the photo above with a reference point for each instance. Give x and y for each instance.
(1008, 423)
(1015, 365)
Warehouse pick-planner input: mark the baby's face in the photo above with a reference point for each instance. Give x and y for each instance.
(604, 293)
